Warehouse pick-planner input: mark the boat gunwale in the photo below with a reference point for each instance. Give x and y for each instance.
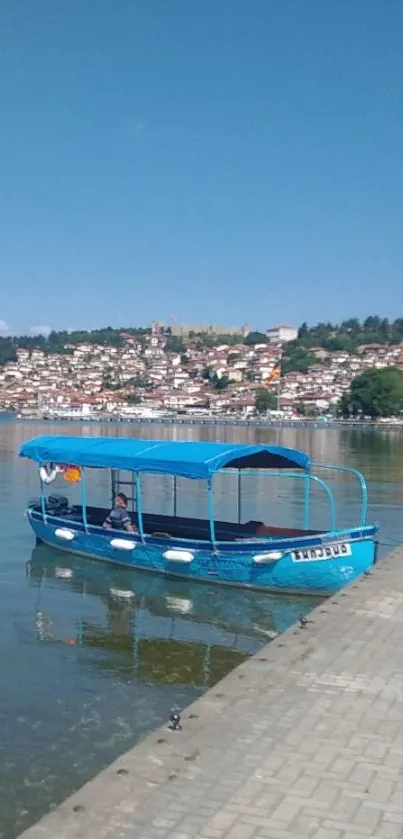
(237, 546)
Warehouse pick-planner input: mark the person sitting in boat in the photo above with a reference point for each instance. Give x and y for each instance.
(119, 518)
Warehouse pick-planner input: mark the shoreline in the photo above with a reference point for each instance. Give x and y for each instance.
(212, 422)
(272, 744)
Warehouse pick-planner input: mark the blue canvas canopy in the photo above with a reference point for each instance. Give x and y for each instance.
(181, 458)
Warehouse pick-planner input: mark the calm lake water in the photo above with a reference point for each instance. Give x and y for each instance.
(86, 674)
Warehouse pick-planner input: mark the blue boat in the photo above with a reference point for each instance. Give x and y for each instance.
(241, 553)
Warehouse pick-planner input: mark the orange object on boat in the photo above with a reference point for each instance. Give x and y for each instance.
(72, 474)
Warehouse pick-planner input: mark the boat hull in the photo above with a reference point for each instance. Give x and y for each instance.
(320, 564)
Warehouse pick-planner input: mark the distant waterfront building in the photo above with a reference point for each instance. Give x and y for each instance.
(282, 334)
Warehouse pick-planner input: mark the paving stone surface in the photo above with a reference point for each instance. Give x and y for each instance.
(305, 739)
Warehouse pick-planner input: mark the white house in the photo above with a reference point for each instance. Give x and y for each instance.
(282, 334)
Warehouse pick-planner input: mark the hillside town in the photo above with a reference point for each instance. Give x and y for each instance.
(145, 377)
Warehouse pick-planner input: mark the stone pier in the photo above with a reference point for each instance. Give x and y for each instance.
(305, 739)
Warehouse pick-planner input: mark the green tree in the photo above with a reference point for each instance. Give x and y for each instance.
(349, 335)
(137, 381)
(174, 344)
(343, 342)
(372, 322)
(385, 329)
(397, 331)
(297, 359)
(255, 338)
(375, 393)
(265, 400)
(218, 382)
(350, 325)
(7, 351)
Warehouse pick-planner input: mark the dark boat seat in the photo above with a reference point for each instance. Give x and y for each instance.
(268, 530)
(179, 527)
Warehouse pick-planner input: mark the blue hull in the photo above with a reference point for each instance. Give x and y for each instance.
(316, 564)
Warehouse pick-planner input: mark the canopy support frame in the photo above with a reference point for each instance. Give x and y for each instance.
(210, 502)
(42, 499)
(307, 501)
(175, 500)
(139, 506)
(84, 499)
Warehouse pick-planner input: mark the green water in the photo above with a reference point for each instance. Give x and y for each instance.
(87, 672)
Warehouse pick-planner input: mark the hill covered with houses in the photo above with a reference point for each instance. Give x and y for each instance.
(130, 371)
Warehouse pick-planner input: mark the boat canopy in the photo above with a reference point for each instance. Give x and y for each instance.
(187, 459)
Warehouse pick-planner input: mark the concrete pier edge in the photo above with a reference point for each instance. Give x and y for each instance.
(302, 739)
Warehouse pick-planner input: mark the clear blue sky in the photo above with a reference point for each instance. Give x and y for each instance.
(213, 160)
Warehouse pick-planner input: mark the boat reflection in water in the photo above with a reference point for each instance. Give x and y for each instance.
(152, 629)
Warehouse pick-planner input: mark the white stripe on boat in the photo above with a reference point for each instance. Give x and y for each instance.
(63, 533)
(177, 555)
(123, 544)
(270, 556)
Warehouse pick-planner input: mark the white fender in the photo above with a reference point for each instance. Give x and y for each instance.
(270, 556)
(122, 593)
(47, 476)
(123, 544)
(63, 573)
(65, 534)
(179, 604)
(178, 555)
